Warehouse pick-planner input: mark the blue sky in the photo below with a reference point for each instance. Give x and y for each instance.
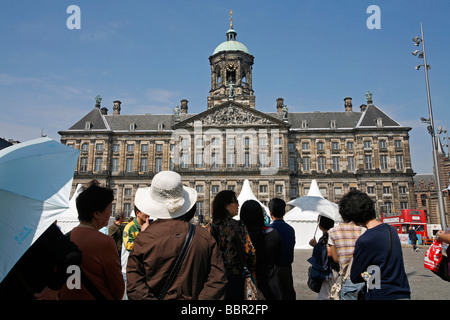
(152, 54)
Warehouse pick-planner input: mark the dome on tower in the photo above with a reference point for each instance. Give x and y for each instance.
(231, 44)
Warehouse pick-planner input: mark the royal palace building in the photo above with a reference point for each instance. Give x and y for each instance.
(278, 152)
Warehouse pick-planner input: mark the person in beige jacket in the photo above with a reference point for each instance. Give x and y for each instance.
(202, 273)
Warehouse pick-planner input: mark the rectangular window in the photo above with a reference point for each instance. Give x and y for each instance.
(199, 188)
(350, 163)
(99, 147)
(386, 189)
(292, 164)
(215, 160)
(98, 164)
(130, 147)
(383, 162)
(321, 163)
(336, 163)
(263, 159)
(199, 160)
(402, 189)
(158, 164)
(350, 145)
(382, 144)
(185, 160)
(144, 147)
(159, 147)
(263, 141)
(215, 188)
(335, 145)
(116, 147)
(85, 147)
(263, 189)
(320, 145)
(144, 162)
(368, 162)
(129, 165)
(115, 165)
(278, 188)
(246, 160)
(366, 144)
(397, 143)
(278, 159)
(399, 161)
(306, 164)
(305, 145)
(370, 189)
(83, 164)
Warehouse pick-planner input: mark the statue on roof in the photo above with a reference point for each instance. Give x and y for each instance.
(98, 101)
(369, 96)
(176, 111)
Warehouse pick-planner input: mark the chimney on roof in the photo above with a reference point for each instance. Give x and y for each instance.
(116, 108)
(184, 106)
(280, 104)
(348, 104)
(104, 111)
(363, 107)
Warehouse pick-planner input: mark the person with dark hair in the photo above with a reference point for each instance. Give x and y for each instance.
(342, 239)
(267, 243)
(413, 238)
(234, 242)
(115, 230)
(201, 274)
(277, 209)
(378, 252)
(321, 259)
(100, 259)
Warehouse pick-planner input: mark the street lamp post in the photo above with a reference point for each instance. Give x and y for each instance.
(430, 121)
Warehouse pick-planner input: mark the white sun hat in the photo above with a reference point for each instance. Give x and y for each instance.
(166, 198)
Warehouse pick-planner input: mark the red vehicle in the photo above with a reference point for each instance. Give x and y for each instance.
(408, 217)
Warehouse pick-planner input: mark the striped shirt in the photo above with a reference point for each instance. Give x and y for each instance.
(343, 237)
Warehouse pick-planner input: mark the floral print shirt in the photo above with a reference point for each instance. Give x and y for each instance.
(234, 242)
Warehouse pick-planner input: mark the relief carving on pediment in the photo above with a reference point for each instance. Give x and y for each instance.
(232, 116)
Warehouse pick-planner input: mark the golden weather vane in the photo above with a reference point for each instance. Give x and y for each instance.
(231, 19)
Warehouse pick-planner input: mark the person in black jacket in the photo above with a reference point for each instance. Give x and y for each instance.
(413, 238)
(268, 247)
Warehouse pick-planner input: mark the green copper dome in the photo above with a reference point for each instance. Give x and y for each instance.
(231, 44)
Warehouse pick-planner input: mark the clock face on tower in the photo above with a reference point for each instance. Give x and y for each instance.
(231, 66)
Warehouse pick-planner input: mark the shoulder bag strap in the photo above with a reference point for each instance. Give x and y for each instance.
(178, 262)
(90, 287)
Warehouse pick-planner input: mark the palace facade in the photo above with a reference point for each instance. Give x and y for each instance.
(279, 152)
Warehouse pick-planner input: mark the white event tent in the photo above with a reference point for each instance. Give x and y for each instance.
(247, 194)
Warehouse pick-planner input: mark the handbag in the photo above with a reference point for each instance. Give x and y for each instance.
(433, 256)
(436, 261)
(179, 260)
(442, 272)
(251, 291)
